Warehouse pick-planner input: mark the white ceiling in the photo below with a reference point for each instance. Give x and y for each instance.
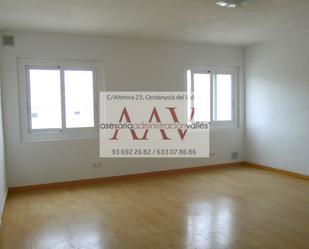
(183, 20)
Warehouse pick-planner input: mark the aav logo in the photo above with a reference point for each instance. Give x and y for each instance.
(150, 124)
(154, 116)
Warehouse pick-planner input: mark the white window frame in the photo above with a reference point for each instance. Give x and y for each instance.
(233, 71)
(28, 134)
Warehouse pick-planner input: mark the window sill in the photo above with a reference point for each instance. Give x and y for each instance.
(53, 136)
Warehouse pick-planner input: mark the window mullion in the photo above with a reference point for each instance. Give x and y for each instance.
(213, 97)
(233, 97)
(192, 92)
(63, 112)
(29, 119)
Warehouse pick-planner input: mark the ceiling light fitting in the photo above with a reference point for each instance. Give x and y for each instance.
(233, 3)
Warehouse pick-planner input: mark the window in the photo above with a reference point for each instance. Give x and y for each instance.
(215, 94)
(79, 98)
(57, 98)
(45, 99)
(222, 108)
(201, 84)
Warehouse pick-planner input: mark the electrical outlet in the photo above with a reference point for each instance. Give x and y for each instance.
(96, 165)
(234, 155)
(212, 154)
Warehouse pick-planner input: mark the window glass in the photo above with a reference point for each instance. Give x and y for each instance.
(79, 108)
(201, 96)
(223, 99)
(45, 99)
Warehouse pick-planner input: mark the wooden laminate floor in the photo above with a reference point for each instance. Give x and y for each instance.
(237, 207)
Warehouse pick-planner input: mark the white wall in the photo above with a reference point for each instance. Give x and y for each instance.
(277, 104)
(3, 185)
(129, 65)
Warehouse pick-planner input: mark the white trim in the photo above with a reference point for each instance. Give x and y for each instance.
(62, 92)
(28, 99)
(232, 70)
(73, 133)
(206, 71)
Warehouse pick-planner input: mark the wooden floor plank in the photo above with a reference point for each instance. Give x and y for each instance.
(228, 208)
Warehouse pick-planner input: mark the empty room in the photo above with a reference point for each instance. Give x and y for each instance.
(154, 124)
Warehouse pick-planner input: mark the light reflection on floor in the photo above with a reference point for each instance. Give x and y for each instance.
(209, 225)
(90, 240)
(223, 209)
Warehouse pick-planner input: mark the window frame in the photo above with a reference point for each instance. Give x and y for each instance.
(213, 70)
(26, 131)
